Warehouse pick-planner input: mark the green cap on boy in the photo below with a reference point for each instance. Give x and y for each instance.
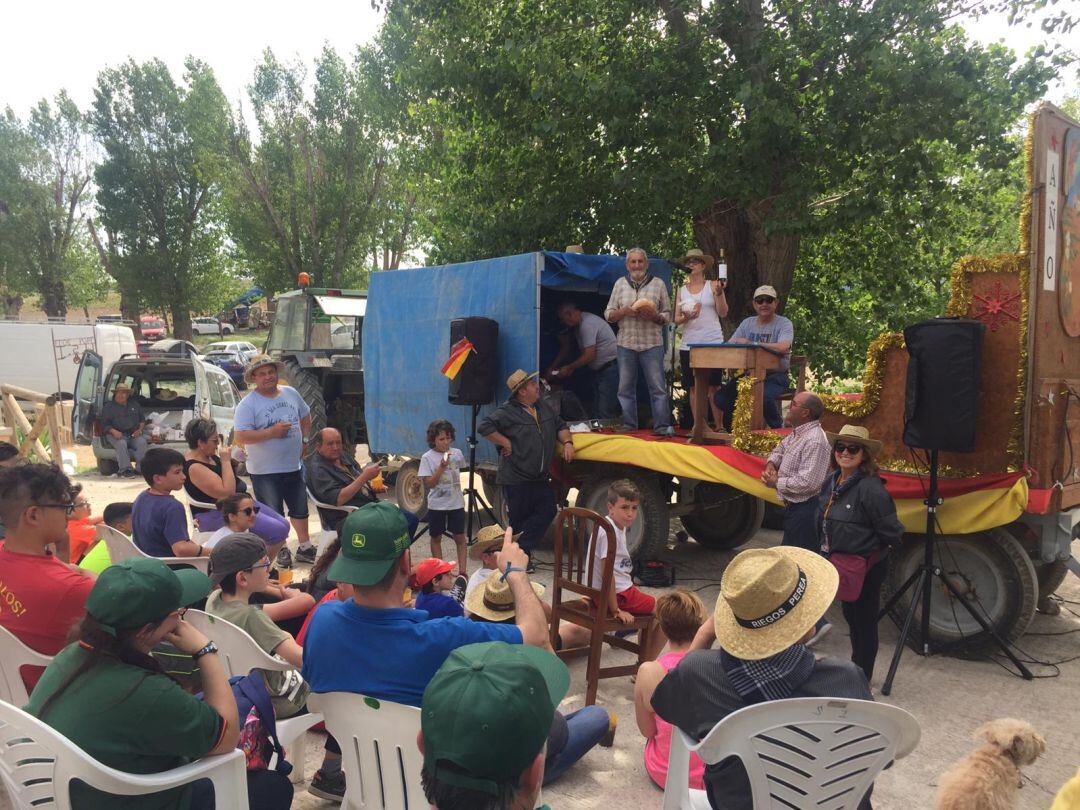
(373, 537)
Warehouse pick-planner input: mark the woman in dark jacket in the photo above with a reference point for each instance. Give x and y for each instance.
(858, 519)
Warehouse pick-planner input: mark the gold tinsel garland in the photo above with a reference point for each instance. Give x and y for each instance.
(873, 379)
(742, 438)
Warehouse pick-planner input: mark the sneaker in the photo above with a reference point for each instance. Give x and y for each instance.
(128, 473)
(306, 555)
(666, 432)
(530, 567)
(457, 593)
(609, 738)
(822, 631)
(284, 558)
(328, 787)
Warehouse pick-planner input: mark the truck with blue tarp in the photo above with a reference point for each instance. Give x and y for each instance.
(407, 339)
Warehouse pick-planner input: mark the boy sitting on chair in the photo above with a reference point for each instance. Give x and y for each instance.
(626, 600)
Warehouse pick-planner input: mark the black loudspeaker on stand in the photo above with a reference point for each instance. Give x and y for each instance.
(474, 385)
(940, 404)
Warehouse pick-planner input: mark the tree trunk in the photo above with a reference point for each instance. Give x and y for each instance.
(181, 320)
(12, 304)
(53, 300)
(754, 256)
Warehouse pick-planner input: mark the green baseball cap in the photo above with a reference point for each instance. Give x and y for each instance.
(372, 539)
(488, 711)
(135, 592)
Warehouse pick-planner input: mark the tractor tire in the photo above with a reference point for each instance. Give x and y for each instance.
(308, 387)
(107, 466)
(409, 489)
(723, 518)
(991, 568)
(648, 536)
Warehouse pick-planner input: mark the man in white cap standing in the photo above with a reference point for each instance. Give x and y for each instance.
(526, 430)
(770, 331)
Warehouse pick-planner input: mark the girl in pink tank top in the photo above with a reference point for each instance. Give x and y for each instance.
(680, 614)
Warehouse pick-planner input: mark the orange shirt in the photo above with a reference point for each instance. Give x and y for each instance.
(81, 535)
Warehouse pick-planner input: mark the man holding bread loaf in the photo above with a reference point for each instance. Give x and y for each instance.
(640, 305)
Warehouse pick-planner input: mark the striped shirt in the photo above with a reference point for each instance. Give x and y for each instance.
(802, 462)
(639, 334)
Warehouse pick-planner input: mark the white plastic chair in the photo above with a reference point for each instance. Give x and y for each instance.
(122, 547)
(199, 537)
(324, 538)
(803, 752)
(38, 764)
(14, 655)
(240, 654)
(378, 748)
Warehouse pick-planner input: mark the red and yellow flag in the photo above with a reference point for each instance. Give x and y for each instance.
(459, 352)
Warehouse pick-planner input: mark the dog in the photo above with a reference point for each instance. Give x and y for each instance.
(989, 777)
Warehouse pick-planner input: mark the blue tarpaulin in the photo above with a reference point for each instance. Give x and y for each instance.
(406, 335)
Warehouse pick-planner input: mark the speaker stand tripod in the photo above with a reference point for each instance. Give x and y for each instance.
(920, 583)
(476, 500)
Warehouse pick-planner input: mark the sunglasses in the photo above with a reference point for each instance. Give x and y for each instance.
(69, 508)
(840, 447)
(764, 299)
(250, 510)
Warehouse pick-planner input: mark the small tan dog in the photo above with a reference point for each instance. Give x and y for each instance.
(989, 777)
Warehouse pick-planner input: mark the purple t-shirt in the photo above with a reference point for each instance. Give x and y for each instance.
(158, 521)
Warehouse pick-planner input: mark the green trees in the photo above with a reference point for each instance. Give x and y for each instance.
(620, 122)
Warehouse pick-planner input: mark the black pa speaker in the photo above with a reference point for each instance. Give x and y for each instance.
(942, 394)
(475, 383)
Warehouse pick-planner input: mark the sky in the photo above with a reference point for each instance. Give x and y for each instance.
(52, 44)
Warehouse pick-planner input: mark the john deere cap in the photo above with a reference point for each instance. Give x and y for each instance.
(135, 592)
(372, 539)
(488, 712)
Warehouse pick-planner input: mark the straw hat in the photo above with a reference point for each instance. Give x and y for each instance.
(574, 249)
(488, 538)
(493, 600)
(258, 362)
(519, 378)
(855, 434)
(770, 598)
(697, 255)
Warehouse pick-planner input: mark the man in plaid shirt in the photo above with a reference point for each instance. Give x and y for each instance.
(640, 305)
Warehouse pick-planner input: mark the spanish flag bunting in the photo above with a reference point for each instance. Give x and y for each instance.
(459, 352)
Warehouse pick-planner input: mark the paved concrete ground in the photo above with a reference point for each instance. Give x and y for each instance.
(949, 697)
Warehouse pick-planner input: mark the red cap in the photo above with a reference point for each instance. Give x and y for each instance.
(429, 569)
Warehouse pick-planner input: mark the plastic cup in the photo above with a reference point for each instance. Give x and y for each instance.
(284, 576)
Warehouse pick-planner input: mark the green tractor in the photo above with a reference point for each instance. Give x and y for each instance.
(315, 333)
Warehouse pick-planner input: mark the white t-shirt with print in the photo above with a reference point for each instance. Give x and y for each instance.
(623, 563)
(446, 494)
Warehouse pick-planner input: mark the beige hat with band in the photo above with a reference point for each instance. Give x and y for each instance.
(519, 378)
(493, 600)
(695, 254)
(257, 362)
(855, 434)
(770, 598)
(488, 538)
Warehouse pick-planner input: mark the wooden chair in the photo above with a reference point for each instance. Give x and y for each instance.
(576, 531)
(14, 655)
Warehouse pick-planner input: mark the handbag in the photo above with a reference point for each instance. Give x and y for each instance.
(852, 569)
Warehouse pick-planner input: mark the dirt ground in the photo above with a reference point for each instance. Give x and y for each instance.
(948, 696)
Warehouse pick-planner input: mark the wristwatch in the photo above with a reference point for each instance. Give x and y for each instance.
(211, 647)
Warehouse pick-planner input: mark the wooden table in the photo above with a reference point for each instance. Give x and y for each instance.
(703, 358)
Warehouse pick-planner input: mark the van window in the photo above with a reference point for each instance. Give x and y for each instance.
(220, 390)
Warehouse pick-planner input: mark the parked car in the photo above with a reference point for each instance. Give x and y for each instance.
(171, 390)
(173, 348)
(210, 326)
(152, 327)
(248, 350)
(231, 362)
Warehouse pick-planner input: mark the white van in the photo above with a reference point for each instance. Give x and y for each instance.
(45, 357)
(171, 391)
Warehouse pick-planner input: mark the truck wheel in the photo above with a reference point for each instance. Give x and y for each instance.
(107, 466)
(991, 568)
(723, 517)
(308, 387)
(409, 489)
(648, 537)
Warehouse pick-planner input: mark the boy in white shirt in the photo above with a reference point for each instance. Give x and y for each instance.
(488, 544)
(626, 600)
(440, 468)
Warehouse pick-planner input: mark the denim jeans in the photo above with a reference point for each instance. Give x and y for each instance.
(606, 392)
(586, 726)
(651, 362)
(277, 490)
(531, 507)
(801, 525)
(128, 447)
(775, 384)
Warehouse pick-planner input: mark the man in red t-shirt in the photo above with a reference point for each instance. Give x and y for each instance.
(41, 597)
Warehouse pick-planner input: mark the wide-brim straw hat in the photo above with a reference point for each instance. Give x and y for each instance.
(519, 378)
(856, 434)
(257, 362)
(770, 598)
(488, 538)
(698, 255)
(493, 599)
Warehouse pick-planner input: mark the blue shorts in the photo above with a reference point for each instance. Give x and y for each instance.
(279, 489)
(445, 521)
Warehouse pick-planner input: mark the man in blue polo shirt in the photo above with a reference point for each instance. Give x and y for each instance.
(372, 645)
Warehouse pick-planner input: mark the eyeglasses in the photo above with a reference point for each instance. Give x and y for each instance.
(266, 564)
(82, 504)
(764, 299)
(840, 447)
(69, 508)
(250, 510)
